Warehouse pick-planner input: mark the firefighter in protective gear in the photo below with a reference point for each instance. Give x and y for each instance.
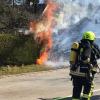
(83, 66)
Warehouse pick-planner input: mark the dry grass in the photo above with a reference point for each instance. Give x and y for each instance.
(8, 70)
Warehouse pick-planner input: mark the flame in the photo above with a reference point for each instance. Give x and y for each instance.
(43, 30)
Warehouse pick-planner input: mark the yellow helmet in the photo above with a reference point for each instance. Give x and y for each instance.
(88, 35)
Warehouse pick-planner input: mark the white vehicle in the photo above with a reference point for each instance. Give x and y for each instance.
(16, 2)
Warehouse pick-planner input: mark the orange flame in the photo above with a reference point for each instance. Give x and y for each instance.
(43, 30)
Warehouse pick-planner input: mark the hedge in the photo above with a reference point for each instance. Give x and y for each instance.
(18, 49)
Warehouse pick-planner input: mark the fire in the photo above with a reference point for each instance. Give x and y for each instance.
(43, 30)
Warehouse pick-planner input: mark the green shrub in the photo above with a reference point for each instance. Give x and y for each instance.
(18, 49)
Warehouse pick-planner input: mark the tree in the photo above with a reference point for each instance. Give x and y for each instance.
(13, 17)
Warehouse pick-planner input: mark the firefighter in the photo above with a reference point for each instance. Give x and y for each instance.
(83, 66)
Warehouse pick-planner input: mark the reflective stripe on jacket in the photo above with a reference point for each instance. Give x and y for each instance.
(76, 73)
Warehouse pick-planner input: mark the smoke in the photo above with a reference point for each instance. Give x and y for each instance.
(72, 19)
(68, 14)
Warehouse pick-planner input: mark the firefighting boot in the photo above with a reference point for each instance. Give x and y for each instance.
(85, 97)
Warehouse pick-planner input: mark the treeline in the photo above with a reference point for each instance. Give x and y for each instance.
(12, 18)
(16, 48)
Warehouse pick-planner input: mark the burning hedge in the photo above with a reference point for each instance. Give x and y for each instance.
(43, 30)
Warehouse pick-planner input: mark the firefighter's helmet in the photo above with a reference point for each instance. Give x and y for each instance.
(89, 35)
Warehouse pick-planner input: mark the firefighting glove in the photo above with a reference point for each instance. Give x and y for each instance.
(94, 69)
(73, 67)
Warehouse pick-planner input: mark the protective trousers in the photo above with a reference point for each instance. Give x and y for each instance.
(78, 84)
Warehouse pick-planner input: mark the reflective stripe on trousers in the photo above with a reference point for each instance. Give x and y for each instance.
(92, 88)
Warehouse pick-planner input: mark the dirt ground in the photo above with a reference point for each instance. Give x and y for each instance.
(39, 85)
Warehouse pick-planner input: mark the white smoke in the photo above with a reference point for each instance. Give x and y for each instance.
(73, 18)
(72, 11)
(69, 13)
